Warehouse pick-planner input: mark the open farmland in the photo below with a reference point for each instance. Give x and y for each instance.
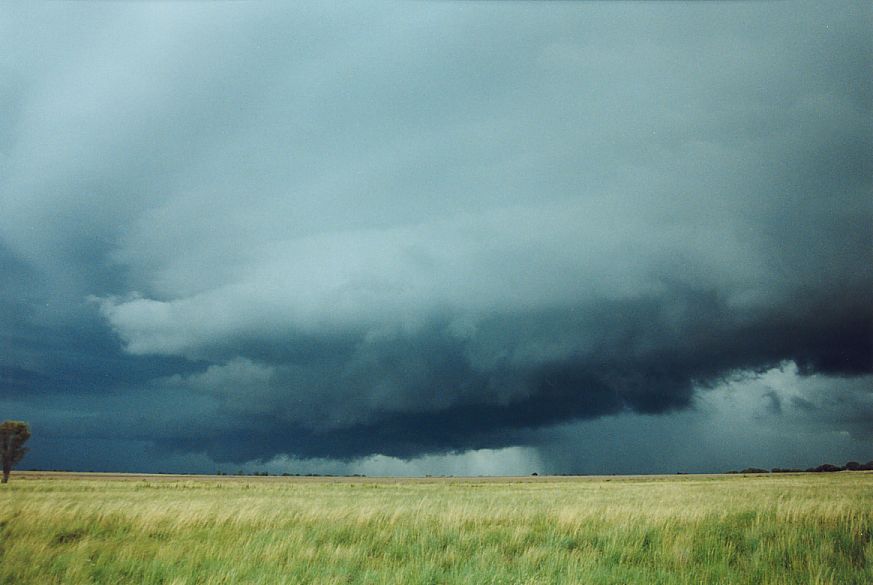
(803, 528)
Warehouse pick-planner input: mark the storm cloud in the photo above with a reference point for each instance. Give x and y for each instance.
(404, 230)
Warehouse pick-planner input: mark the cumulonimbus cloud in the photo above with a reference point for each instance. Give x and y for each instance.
(321, 246)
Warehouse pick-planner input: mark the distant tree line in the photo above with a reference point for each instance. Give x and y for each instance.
(823, 468)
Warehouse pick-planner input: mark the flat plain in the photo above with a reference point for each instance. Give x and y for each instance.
(690, 529)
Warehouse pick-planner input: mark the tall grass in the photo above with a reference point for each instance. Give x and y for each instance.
(808, 528)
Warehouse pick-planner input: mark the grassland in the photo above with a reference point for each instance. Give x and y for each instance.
(804, 528)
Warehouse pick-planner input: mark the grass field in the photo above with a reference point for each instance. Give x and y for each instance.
(804, 528)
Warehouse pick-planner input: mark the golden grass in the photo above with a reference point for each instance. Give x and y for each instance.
(797, 528)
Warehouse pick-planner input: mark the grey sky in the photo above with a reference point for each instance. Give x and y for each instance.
(439, 233)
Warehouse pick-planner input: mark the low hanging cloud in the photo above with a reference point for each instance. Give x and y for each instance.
(315, 245)
(457, 334)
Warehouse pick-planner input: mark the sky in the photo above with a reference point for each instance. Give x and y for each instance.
(447, 238)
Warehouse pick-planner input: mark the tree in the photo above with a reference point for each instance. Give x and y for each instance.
(13, 435)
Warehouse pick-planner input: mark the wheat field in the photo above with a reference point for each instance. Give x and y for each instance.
(774, 529)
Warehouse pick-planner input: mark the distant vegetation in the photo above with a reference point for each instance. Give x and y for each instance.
(825, 467)
(771, 529)
(13, 435)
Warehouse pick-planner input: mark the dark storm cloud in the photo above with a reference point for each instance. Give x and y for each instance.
(821, 418)
(250, 232)
(430, 393)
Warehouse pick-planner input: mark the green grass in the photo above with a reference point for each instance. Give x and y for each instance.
(806, 528)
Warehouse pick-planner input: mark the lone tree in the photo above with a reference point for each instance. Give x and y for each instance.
(13, 435)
